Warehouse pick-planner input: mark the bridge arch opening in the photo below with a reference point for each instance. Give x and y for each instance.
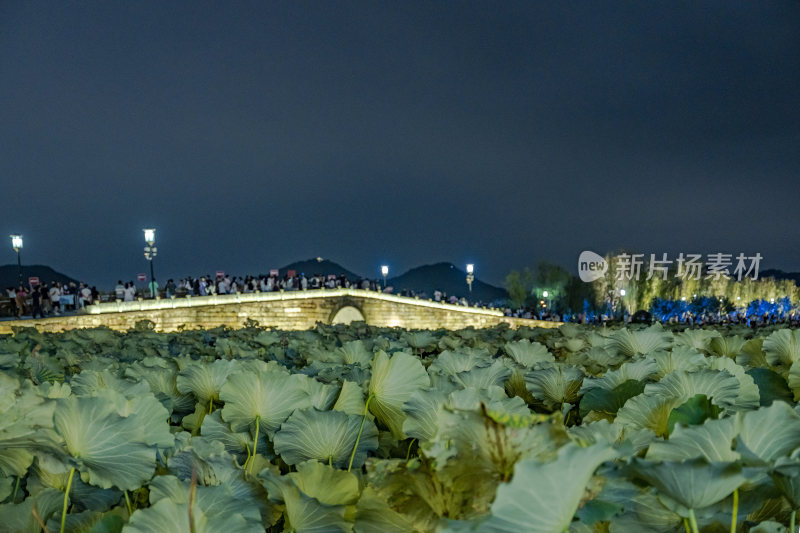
(348, 314)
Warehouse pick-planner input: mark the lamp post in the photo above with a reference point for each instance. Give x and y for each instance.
(384, 273)
(150, 252)
(546, 296)
(470, 276)
(16, 243)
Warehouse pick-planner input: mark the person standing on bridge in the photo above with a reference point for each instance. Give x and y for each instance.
(19, 298)
(130, 291)
(36, 302)
(55, 298)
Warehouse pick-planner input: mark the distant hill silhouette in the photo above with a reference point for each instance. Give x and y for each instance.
(448, 278)
(780, 274)
(309, 267)
(9, 275)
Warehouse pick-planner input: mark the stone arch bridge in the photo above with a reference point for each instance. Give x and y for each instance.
(293, 310)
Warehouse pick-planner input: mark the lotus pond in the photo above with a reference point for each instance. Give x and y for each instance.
(355, 428)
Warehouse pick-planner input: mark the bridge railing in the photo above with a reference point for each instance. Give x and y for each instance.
(254, 297)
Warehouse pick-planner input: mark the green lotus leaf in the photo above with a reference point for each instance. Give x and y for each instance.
(527, 502)
(599, 359)
(480, 377)
(162, 383)
(393, 382)
(327, 436)
(210, 460)
(631, 439)
(354, 352)
(26, 422)
(752, 354)
(18, 518)
(167, 516)
(793, 379)
(92, 383)
(696, 339)
(107, 447)
(232, 500)
(321, 395)
(713, 441)
(215, 429)
(749, 397)
(642, 342)
(424, 495)
(693, 411)
(305, 513)
(645, 513)
(373, 514)
(647, 412)
(728, 346)
(451, 362)
(769, 527)
(89, 522)
(528, 353)
(351, 399)
(554, 385)
(680, 358)
(491, 398)
(693, 483)
(782, 347)
(470, 445)
(82, 496)
(326, 484)
(422, 413)
(204, 380)
(419, 339)
(771, 386)
(786, 476)
(610, 401)
(639, 370)
(269, 397)
(770, 432)
(720, 386)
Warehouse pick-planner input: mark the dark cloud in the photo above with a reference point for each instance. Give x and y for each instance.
(256, 134)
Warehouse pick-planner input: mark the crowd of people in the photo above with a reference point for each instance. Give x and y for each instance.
(41, 300)
(208, 285)
(52, 299)
(687, 318)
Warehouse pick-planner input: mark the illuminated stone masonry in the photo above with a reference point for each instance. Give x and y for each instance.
(293, 310)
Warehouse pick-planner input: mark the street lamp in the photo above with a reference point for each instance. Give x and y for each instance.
(16, 243)
(384, 273)
(150, 252)
(470, 276)
(622, 292)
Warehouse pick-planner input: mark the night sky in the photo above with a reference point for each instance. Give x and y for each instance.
(403, 133)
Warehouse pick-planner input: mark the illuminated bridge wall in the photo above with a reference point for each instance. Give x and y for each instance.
(283, 310)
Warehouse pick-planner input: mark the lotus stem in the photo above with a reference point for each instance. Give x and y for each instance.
(358, 438)
(16, 488)
(330, 461)
(735, 510)
(128, 503)
(792, 521)
(408, 453)
(66, 499)
(686, 525)
(693, 521)
(255, 443)
(192, 491)
(210, 405)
